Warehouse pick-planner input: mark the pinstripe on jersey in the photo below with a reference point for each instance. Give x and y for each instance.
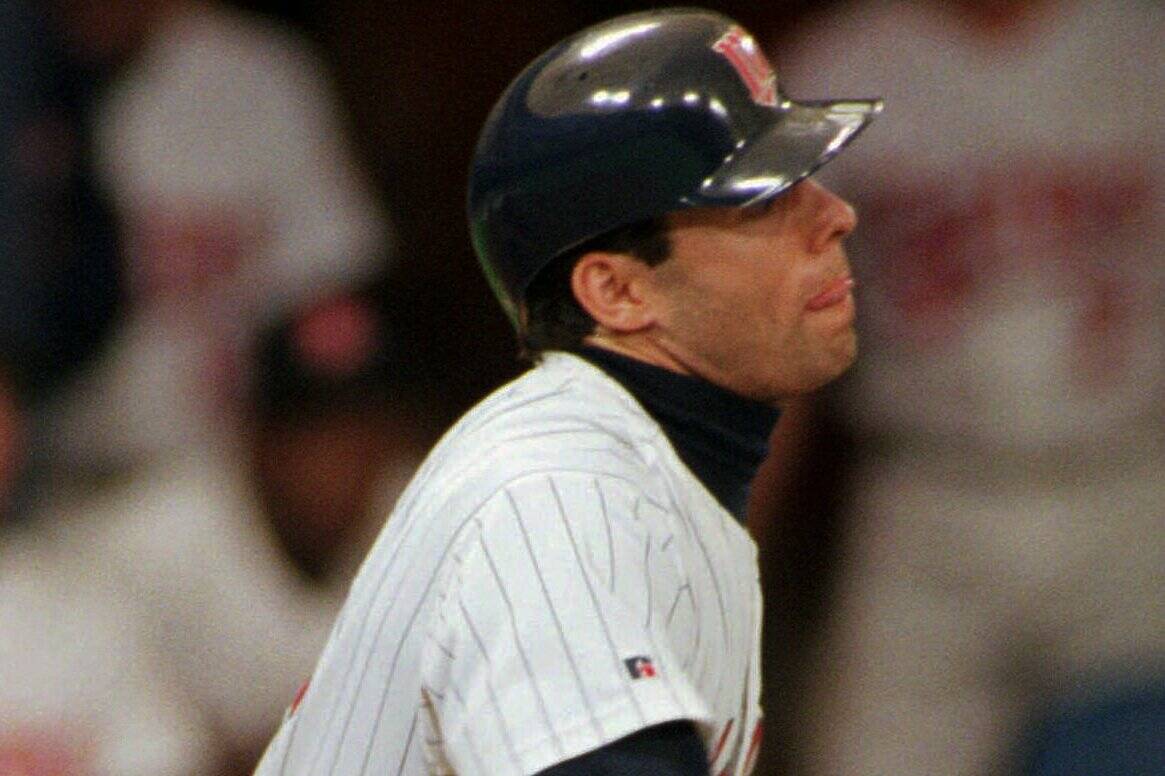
(550, 539)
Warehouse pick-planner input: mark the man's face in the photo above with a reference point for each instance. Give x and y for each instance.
(758, 300)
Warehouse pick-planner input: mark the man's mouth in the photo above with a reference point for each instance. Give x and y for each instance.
(836, 292)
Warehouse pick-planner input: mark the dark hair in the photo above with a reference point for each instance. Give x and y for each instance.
(553, 318)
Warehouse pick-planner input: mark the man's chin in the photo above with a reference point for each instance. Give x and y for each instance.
(839, 361)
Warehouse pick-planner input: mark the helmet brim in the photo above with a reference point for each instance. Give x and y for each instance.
(803, 137)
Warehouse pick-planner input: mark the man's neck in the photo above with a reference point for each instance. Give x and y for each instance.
(722, 437)
(640, 348)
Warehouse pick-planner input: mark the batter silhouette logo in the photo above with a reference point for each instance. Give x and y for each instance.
(741, 51)
(640, 667)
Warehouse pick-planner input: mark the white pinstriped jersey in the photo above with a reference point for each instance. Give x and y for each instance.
(553, 579)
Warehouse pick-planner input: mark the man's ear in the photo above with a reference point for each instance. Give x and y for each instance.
(609, 286)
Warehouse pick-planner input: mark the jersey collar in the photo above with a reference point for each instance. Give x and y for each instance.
(721, 436)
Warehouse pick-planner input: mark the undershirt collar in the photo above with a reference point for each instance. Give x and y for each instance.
(721, 436)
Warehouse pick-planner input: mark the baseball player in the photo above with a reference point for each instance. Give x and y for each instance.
(566, 585)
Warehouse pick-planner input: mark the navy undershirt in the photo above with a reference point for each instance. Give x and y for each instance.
(721, 436)
(670, 749)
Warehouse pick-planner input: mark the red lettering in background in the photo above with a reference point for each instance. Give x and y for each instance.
(184, 250)
(939, 245)
(926, 263)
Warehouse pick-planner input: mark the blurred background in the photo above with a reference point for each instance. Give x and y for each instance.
(239, 303)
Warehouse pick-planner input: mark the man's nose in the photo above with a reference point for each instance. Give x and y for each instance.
(834, 217)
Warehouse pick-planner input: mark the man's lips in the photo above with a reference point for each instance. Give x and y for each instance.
(835, 293)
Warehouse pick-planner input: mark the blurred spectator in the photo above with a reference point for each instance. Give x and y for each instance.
(238, 551)
(341, 414)
(1003, 535)
(81, 692)
(236, 195)
(58, 252)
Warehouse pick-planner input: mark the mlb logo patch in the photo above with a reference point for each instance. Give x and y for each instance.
(640, 667)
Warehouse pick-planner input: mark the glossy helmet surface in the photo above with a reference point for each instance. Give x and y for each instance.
(631, 119)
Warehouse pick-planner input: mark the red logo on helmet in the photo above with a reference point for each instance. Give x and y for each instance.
(740, 49)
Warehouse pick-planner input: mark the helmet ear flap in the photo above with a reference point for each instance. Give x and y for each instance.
(631, 119)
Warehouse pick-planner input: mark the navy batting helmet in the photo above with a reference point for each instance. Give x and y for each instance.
(630, 119)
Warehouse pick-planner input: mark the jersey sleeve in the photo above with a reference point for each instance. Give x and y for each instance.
(543, 646)
(671, 749)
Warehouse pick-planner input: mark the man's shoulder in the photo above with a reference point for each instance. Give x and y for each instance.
(558, 435)
(561, 404)
(563, 415)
